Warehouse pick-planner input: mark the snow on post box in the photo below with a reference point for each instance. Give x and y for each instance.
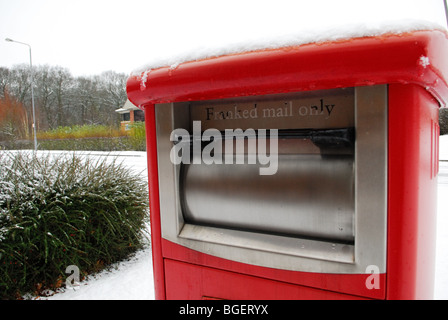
(306, 172)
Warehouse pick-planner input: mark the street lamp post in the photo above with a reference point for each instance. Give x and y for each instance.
(32, 91)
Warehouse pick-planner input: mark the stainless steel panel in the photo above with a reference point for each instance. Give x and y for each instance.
(285, 251)
(279, 248)
(314, 109)
(371, 175)
(310, 196)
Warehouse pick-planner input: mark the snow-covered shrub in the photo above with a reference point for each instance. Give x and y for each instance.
(62, 211)
(443, 121)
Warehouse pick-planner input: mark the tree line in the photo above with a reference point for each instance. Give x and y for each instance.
(60, 98)
(64, 100)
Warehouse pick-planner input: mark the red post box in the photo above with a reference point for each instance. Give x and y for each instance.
(306, 172)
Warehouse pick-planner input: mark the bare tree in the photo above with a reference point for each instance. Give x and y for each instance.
(62, 99)
(112, 95)
(63, 84)
(4, 81)
(85, 94)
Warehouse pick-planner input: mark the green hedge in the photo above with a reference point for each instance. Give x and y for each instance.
(62, 211)
(82, 138)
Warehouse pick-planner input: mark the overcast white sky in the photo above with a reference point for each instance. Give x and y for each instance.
(92, 36)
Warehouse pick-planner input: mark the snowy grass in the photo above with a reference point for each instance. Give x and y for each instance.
(57, 211)
(131, 279)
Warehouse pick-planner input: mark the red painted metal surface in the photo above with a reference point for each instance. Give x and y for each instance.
(415, 67)
(323, 286)
(357, 62)
(200, 282)
(153, 183)
(413, 147)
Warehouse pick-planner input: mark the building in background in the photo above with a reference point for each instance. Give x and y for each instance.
(130, 114)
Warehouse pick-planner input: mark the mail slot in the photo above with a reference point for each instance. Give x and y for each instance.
(313, 175)
(307, 172)
(299, 200)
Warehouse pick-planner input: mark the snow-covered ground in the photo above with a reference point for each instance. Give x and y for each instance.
(441, 276)
(129, 280)
(133, 279)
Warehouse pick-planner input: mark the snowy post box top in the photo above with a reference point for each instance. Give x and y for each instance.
(401, 52)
